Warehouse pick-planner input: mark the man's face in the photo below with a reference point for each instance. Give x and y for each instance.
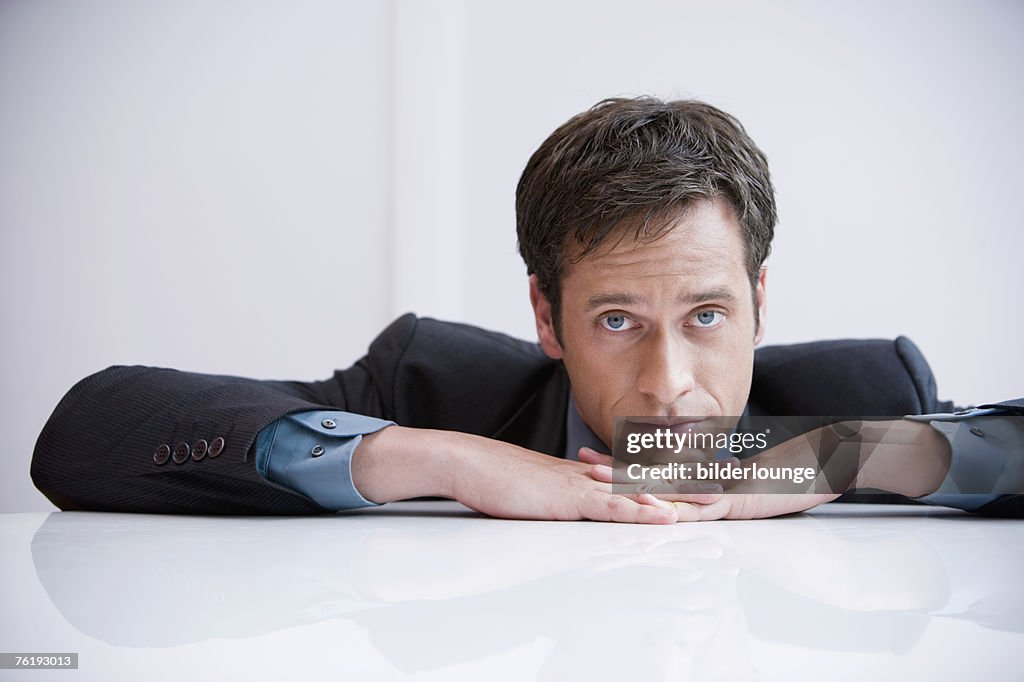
(664, 328)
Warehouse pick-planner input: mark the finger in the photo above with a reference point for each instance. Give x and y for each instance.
(607, 474)
(647, 498)
(617, 475)
(692, 498)
(600, 506)
(591, 456)
(698, 492)
(602, 472)
(686, 511)
(702, 512)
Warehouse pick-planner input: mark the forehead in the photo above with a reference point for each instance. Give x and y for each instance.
(703, 245)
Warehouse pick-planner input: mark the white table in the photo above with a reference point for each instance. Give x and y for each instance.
(431, 590)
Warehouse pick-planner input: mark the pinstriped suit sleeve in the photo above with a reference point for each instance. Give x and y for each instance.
(145, 439)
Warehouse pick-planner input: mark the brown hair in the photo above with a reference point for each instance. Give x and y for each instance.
(632, 165)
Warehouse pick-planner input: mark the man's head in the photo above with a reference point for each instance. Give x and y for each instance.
(644, 226)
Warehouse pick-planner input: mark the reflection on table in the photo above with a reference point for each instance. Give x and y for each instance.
(434, 585)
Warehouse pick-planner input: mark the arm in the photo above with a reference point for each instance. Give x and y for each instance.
(101, 451)
(141, 439)
(935, 458)
(315, 453)
(986, 472)
(492, 477)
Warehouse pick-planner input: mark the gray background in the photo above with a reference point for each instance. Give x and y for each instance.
(259, 187)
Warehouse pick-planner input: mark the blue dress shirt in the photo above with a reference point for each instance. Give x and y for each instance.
(311, 453)
(987, 455)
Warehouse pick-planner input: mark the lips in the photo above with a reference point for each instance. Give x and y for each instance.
(676, 425)
(664, 421)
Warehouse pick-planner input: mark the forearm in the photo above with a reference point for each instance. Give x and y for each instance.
(904, 457)
(894, 456)
(492, 477)
(897, 456)
(399, 463)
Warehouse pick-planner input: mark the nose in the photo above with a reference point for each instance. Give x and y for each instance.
(666, 369)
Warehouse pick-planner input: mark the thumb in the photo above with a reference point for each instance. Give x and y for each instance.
(591, 456)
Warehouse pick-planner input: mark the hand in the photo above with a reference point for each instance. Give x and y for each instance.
(492, 477)
(900, 456)
(735, 504)
(677, 490)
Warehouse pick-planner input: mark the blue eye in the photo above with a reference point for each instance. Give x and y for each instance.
(616, 322)
(707, 318)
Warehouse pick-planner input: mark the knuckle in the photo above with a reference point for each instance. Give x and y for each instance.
(617, 504)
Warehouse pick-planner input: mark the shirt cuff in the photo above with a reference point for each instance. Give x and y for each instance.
(311, 453)
(986, 452)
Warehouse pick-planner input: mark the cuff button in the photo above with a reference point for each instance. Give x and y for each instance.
(162, 454)
(216, 447)
(181, 452)
(199, 449)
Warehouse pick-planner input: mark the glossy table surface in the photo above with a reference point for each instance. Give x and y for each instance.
(433, 591)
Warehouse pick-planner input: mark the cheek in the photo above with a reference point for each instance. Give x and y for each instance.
(601, 380)
(598, 362)
(727, 377)
(595, 374)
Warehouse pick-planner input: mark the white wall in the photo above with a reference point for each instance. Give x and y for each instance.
(258, 187)
(195, 184)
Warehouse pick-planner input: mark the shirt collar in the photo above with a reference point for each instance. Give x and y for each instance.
(578, 434)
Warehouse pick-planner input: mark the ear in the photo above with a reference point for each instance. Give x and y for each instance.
(545, 323)
(762, 305)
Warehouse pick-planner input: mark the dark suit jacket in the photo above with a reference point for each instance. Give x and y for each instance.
(96, 452)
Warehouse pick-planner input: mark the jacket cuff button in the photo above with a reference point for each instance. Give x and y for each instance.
(162, 454)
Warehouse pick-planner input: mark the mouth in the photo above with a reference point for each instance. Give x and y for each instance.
(680, 426)
(665, 421)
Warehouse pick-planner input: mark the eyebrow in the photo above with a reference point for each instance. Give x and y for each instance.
(717, 294)
(599, 300)
(624, 299)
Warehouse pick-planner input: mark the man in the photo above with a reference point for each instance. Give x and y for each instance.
(644, 226)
